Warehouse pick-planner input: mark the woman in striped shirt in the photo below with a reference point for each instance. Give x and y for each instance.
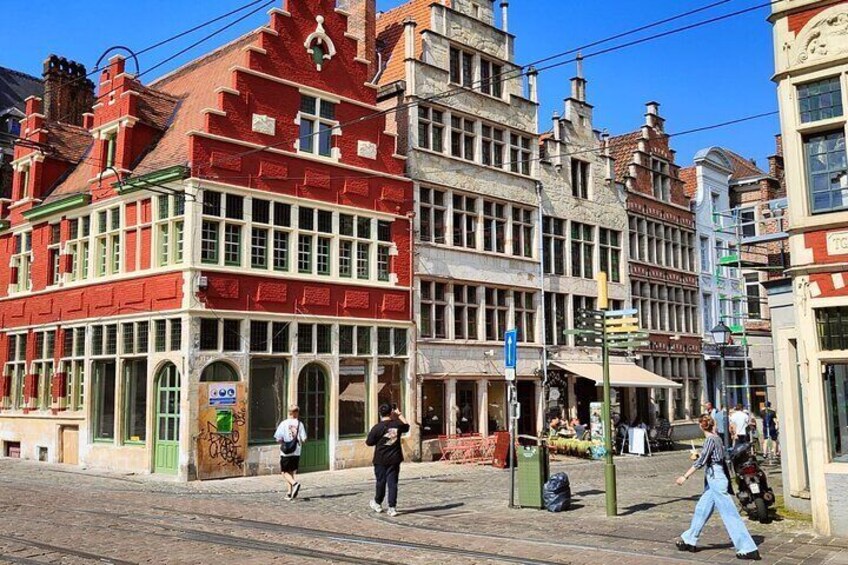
(716, 497)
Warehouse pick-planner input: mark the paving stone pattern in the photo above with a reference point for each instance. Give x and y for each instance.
(449, 514)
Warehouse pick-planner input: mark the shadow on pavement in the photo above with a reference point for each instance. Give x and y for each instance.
(650, 505)
(434, 508)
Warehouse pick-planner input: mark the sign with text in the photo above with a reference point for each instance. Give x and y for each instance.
(837, 243)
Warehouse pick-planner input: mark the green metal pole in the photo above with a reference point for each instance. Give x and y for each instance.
(609, 466)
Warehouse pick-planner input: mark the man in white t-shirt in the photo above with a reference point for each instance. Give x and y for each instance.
(739, 421)
(291, 430)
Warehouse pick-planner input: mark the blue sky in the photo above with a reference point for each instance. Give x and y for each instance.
(713, 74)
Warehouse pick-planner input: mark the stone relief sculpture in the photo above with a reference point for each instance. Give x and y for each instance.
(828, 36)
(319, 45)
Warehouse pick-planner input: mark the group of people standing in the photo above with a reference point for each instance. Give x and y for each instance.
(384, 437)
(743, 427)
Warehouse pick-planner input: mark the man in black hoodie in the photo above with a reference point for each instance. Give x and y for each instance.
(384, 437)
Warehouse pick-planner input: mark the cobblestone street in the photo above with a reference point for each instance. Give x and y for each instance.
(56, 514)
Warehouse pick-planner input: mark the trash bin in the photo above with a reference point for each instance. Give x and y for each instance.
(532, 475)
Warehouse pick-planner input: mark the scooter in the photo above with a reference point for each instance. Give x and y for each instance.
(752, 487)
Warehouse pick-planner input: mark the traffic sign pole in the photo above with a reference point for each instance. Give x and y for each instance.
(510, 361)
(609, 465)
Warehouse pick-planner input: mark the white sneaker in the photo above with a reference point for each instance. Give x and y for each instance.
(376, 507)
(391, 512)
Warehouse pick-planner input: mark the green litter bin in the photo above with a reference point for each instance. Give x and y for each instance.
(532, 475)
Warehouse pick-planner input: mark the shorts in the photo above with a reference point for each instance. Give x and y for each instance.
(289, 463)
(771, 434)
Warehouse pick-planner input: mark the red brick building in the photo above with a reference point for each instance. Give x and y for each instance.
(663, 271)
(201, 251)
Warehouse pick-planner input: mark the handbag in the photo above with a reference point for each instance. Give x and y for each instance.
(289, 447)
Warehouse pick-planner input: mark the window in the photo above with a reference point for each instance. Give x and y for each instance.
(490, 78)
(820, 100)
(708, 311)
(209, 242)
(554, 245)
(494, 226)
(107, 242)
(42, 368)
(496, 313)
(752, 290)
(168, 228)
(832, 326)
(433, 306)
(135, 337)
(748, 222)
(706, 255)
(461, 67)
(16, 368)
(22, 259)
(232, 245)
(231, 335)
(660, 180)
(317, 120)
(826, 171)
(135, 400)
(519, 154)
(836, 407)
(464, 221)
(208, 334)
(431, 128)
(433, 417)
(556, 318)
(466, 401)
(578, 304)
(493, 146)
(462, 138)
(522, 232)
(78, 247)
(609, 247)
(73, 365)
(267, 397)
(582, 250)
(432, 211)
(25, 181)
(111, 142)
(465, 311)
(53, 255)
(579, 178)
(103, 381)
(353, 393)
(525, 316)
(218, 372)
(390, 383)
(314, 338)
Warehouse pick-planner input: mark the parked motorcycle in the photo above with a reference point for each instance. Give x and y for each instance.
(752, 487)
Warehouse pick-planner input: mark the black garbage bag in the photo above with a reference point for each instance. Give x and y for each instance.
(557, 493)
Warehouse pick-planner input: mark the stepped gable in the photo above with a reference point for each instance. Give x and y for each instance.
(390, 36)
(622, 148)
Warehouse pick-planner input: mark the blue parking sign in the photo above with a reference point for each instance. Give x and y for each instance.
(510, 348)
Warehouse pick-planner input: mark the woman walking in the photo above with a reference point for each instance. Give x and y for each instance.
(716, 496)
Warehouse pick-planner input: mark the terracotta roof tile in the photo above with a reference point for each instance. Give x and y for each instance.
(689, 177)
(622, 148)
(390, 34)
(743, 168)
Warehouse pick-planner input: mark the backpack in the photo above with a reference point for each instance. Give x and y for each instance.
(289, 447)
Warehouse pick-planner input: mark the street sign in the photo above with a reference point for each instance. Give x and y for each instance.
(614, 313)
(510, 348)
(621, 321)
(222, 394)
(510, 374)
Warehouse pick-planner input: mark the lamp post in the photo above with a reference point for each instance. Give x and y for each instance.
(721, 337)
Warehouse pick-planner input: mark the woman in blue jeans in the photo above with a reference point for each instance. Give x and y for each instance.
(716, 496)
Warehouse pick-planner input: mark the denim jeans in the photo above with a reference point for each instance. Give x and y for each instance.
(387, 475)
(716, 497)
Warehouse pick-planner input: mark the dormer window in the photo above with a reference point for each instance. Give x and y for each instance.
(317, 120)
(111, 141)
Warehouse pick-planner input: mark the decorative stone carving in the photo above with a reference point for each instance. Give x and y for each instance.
(366, 149)
(264, 124)
(319, 45)
(825, 36)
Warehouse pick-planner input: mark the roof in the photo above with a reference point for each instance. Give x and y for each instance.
(742, 168)
(690, 180)
(622, 148)
(390, 34)
(194, 87)
(15, 87)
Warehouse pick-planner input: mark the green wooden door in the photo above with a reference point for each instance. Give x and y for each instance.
(312, 398)
(167, 441)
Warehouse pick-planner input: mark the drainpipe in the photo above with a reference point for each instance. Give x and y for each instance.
(539, 193)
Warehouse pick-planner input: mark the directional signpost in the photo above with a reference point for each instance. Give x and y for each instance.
(510, 360)
(611, 330)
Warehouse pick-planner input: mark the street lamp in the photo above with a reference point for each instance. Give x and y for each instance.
(721, 337)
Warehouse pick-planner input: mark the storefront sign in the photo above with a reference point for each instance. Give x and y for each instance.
(222, 394)
(596, 420)
(837, 243)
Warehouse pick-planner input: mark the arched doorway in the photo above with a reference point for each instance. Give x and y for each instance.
(219, 372)
(167, 436)
(312, 398)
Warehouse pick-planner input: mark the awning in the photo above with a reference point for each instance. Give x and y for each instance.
(621, 374)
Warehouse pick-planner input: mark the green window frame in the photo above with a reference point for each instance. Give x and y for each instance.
(135, 401)
(104, 381)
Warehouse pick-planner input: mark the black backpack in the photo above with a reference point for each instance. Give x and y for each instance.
(289, 447)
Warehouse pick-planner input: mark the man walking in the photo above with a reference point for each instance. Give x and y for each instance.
(384, 437)
(770, 431)
(290, 435)
(739, 422)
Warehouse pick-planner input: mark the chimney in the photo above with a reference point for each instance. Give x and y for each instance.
(68, 94)
(532, 76)
(653, 118)
(505, 15)
(362, 23)
(555, 130)
(578, 83)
